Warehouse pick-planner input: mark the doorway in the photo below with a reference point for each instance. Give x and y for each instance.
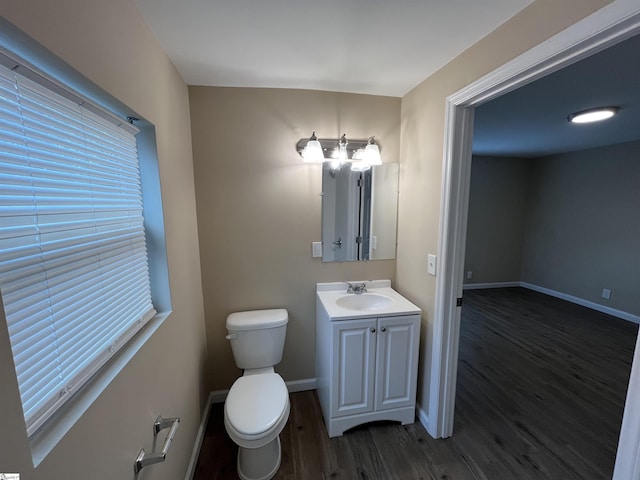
(610, 25)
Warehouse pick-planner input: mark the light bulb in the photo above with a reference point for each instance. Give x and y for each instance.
(343, 155)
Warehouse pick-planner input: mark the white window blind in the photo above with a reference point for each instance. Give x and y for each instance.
(73, 262)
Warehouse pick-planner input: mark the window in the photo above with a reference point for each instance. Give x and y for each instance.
(74, 273)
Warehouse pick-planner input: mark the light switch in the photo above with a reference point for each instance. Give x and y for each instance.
(431, 264)
(316, 249)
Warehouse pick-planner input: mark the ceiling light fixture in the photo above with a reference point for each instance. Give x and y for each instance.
(360, 154)
(593, 115)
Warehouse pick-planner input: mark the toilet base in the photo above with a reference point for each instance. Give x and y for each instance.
(259, 463)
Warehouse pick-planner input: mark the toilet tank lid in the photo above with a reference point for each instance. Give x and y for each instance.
(255, 319)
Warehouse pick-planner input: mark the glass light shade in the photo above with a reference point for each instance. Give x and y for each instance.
(313, 152)
(594, 115)
(360, 166)
(343, 155)
(372, 154)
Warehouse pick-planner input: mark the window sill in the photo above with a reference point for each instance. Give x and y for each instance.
(47, 437)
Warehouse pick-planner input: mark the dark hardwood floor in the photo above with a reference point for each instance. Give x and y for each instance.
(540, 395)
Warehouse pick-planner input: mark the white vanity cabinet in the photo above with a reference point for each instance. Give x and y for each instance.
(366, 368)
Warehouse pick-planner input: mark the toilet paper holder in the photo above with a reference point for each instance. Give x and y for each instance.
(145, 459)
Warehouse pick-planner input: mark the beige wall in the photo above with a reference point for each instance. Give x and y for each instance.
(422, 135)
(259, 208)
(108, 42)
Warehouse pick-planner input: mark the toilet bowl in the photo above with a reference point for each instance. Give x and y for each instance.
(257, 406)
(256, 411)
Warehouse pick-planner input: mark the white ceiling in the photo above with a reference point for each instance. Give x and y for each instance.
(377, 47)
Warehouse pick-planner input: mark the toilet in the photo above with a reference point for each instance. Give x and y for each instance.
(257, 406)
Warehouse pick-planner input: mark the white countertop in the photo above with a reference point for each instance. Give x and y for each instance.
(328, 293)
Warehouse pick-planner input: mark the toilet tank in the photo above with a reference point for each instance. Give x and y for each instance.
(257, 337)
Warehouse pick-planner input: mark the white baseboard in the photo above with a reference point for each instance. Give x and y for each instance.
(219, 396)
(423, 417)
(199, 438)
(474, 286)
(302, 385)
(630, 317)
(585, 303)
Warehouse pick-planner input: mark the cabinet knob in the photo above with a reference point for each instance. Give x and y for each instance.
(383, 329)
(373, 330)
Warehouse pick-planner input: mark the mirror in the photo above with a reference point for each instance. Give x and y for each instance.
(359, 213)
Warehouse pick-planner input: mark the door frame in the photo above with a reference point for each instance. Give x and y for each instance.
(609, 25)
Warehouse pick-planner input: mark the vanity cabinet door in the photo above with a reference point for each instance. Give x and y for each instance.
(397, 361)
(353, 366)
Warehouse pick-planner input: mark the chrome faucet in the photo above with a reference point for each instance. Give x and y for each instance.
(357, 288)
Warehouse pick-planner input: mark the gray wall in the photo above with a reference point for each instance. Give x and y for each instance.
(496, 226)
(581, 223)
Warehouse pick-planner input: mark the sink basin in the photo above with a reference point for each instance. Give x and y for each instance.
(365, 302)
(380, 300)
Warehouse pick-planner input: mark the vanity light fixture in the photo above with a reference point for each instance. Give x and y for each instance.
(360, 166)
(372, 153)
(369, 158)
(312, 152)
(593, 115)
(360, 154)
(343, 156)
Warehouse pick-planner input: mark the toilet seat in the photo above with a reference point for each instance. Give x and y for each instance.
(256, 409)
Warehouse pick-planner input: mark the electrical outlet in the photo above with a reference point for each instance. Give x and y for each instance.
(606, 293)
(469, 275)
